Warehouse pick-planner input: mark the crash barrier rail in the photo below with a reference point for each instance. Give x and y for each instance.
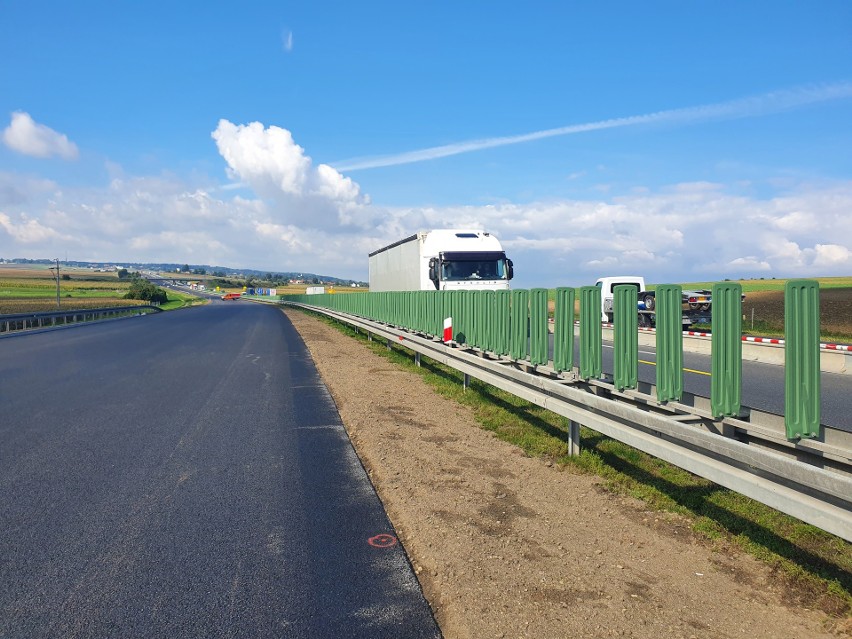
(514, 323)
(684, 435)
(506, 324)
(20, 322)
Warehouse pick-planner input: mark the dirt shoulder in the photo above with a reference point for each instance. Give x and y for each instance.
(506, 545)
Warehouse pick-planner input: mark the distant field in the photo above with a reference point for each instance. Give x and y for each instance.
(763, 308)
(10, 307)
(29, 289)
(750, 286)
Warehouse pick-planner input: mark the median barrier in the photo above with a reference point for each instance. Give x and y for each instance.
(832, 360)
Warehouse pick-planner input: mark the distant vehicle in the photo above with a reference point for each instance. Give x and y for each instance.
(442, 259)
(232, 296)
(696, 304)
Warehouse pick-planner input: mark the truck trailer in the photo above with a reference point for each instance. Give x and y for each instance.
(442, 259)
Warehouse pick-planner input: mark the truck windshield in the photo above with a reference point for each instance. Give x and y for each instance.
(473, 266)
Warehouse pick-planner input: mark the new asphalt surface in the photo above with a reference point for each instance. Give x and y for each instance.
(187, 474)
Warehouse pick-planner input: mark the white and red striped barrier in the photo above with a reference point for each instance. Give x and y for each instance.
(762, 340)
(696, 334)
(748, 338)
(837, 347)
(448, 330)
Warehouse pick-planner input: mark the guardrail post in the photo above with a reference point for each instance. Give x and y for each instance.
(423, 312)
(502, 312)
(573, 437)
(477, 325)
(460, 320)
(563, 330)
(801, 359)
(726, 349)
(469, 316)
(434, 312)
(472, 305)
(538, 326)
(519, 324)
(489, 322)
(625, 337)
(591, 335)
(669, 303)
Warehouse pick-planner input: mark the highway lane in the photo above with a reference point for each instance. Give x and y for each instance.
(763, 384)
(187, 475)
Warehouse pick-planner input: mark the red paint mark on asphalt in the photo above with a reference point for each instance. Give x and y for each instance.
(382, 541)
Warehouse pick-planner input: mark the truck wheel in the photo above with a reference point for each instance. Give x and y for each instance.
(705, 307)
(649, 302)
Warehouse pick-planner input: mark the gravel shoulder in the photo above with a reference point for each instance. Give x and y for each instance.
(505, 545)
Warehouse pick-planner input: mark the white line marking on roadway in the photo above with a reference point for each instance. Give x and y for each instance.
(327, 427)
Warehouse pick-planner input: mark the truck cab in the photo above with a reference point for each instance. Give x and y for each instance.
(485, 270)
(607, 286)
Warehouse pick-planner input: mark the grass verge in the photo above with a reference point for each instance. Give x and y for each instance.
(180, 300)
(815, 566)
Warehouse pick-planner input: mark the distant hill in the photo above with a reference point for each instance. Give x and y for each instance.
(205, 269)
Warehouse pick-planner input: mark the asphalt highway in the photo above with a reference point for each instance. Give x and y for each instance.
(187, 474)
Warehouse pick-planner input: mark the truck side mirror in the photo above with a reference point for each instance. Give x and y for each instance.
(510, 270)
(433, 271)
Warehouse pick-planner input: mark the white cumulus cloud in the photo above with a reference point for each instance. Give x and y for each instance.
(26, 136)
(27, 231)
(832, 256)
(270, 162)
(686, 232)
(310, 217)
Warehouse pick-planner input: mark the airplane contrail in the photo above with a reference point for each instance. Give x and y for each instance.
(766, 103)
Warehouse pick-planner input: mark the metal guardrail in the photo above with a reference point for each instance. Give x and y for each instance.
(515, 323)
(690, 437)
(21, 322)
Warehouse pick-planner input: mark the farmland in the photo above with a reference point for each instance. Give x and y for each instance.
(763, 308)
(33, 290)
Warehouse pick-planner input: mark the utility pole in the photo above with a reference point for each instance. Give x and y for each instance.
(56, 268)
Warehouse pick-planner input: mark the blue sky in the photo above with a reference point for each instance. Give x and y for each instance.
(682, 141)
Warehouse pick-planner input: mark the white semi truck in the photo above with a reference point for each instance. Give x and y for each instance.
(443, 259)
